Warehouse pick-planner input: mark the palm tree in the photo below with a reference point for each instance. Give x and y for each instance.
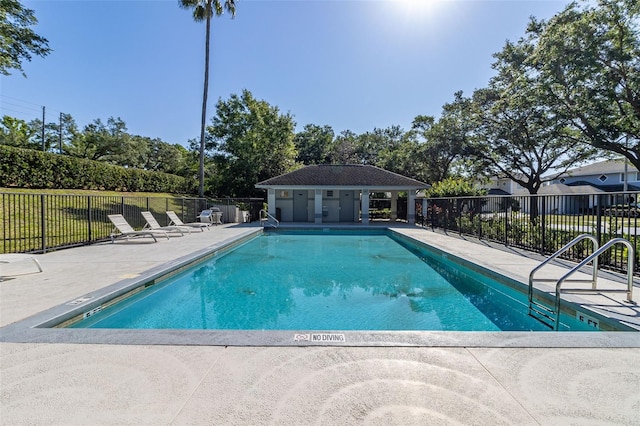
(203, 10)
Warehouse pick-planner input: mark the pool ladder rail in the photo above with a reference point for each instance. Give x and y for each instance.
(550, 316)
(268, 220)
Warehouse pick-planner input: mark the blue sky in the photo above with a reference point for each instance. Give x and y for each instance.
(352, 65)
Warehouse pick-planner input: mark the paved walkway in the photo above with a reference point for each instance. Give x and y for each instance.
(62, 383)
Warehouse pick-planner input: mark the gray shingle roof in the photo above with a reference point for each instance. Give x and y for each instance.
(342, 175)
(601, 167)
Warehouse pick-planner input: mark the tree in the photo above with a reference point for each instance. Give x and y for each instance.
(381, 142)
(101, 142)
(518, 134)
(17, 40)
(159, 156)
(343, 149)
(455, 187)
(313, 144)
(589, 62)
(444, 143)
(252, 141)
(15, 132)
(203, 10)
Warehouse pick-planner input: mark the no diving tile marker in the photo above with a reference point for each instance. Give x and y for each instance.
(320, 338)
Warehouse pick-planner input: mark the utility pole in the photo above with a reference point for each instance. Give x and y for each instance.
(43, 144)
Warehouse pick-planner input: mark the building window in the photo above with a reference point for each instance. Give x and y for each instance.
(330, 193)
(284, 194)
(562, 180)
(602, 178)
(633, 176)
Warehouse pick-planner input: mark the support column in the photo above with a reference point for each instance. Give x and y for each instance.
(364, 206)
(318, 206)
(394, 205)
(271, 202)
(411, 207)
(425, 209)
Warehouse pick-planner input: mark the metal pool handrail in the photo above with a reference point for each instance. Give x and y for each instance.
(594, 255)
(542, 312)
(570, 244)
(264, 218)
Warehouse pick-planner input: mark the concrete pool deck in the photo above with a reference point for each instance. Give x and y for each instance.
(592, 380)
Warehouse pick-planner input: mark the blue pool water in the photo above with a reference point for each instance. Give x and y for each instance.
(325, 281)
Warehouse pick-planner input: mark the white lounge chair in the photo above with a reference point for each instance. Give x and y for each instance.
(153, 225)
(126, 231)
(16, 257)
(175, 220)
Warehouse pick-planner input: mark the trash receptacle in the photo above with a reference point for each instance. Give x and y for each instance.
(278, 214)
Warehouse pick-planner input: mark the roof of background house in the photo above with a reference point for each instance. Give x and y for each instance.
(496, 191)
(342, 175)
(601, 167)
(616, 187)
(562, 189)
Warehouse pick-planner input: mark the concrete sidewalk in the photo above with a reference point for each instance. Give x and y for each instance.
(61, 383)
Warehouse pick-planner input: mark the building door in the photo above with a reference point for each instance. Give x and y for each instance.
(346, 206)
(300, 206)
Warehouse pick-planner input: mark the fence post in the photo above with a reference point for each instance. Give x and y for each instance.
(458, 206)
(506, 221)
(599, 219)
(543, 226)
(89, 217)
(43, 222)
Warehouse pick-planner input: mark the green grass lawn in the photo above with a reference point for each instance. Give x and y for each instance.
(30, 221)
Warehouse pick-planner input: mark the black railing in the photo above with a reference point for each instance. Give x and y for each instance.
(543, 223)
(37, 223)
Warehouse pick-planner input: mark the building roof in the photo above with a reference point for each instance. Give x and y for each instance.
(616, 187)
(342, 175)
(562, 189)
(601, 167)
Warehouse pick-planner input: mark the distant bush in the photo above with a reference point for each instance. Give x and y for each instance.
(454, 187)
(27, 168)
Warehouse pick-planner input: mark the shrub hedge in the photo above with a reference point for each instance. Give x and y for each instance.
(28, 168)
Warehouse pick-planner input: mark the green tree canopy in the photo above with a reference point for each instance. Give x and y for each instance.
(444, 144)
(313, 144)
(18, 42)
(344, 148)
(588, 60)
(16, 132)
(252, 142)
(455, 187)
(102, 142)
(518, 134)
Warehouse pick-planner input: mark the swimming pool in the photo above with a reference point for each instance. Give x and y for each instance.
(320, 280)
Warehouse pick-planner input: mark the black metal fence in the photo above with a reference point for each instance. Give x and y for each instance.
(37, 223)
(544, 223)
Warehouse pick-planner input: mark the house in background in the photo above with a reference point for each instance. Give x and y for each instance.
(579, 190)
(583, 188)
(504, 186)
(605, 176)
(336, 193)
